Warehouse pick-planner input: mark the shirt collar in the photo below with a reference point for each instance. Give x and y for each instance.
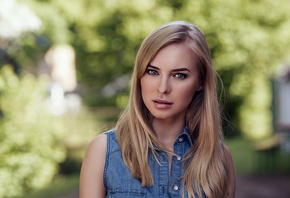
(184, 137)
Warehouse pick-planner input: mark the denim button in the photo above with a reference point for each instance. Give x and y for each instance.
(178, 158)
(175, 187)
(180, 139)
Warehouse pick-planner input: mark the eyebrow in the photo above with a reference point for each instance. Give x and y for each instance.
(175, 70)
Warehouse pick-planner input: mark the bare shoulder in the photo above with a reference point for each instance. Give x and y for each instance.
(232, 174)
(98, 145)
(91, 178)
(96, 152)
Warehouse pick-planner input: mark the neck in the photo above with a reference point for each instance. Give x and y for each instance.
(167, 131)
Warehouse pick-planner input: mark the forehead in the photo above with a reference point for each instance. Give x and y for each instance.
(173, 56)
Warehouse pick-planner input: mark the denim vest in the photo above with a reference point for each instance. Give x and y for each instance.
(119, 182)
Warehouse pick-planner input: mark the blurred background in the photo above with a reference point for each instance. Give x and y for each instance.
(65, 67)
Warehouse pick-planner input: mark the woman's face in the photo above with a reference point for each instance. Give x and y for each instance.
(170, 82)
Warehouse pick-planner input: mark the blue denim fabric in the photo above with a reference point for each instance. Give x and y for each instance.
(119, 182)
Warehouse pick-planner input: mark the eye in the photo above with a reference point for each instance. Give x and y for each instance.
(180, 75)
(152, 72)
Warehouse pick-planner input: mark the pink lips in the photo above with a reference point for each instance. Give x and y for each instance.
(162, 104)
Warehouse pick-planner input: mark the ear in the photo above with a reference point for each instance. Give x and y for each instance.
(200, 88)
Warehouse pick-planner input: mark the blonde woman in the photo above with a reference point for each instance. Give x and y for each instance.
(168, 141)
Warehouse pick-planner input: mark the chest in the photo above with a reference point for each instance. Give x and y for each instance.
(166, 175)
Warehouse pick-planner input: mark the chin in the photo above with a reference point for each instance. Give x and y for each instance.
(161, 117)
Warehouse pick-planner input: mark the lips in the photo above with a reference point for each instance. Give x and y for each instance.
(160, 101)
(162, 104)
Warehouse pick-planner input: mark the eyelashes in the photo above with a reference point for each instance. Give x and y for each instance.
(154, 72)
(180, 75)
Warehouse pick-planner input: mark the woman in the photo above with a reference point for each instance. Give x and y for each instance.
(167, 142)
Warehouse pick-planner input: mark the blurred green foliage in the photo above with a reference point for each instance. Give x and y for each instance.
(30, 137)
(247, 38)
(35, 145)
(250, 162)
(61, 187)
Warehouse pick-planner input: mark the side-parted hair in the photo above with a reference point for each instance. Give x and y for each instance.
(205, 163)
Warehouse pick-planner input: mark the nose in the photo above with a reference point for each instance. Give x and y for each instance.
(164, 85)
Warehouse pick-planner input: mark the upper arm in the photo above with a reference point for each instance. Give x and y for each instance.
(232, 175)
(91, 178)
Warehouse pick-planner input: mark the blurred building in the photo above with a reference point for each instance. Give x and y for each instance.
(59, 64)
(281, 104)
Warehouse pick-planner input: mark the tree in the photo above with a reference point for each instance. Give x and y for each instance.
(247, 39)
(30, 136)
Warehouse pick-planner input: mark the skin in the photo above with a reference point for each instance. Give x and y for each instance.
(168, 86)
(91, 178)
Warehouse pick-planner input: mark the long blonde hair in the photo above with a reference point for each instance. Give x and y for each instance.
(204, 163)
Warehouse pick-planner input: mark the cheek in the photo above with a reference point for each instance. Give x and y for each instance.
(146, 85)
(186, 94)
